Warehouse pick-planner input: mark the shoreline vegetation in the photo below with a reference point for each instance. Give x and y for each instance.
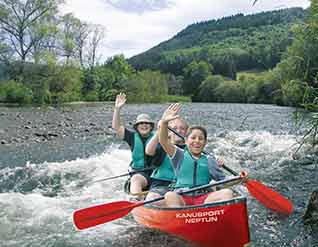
(263, 58)
(167, 99)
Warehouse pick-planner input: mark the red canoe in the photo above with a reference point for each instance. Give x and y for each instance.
(222, 224)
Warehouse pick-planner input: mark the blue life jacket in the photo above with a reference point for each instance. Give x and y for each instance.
(165, 171)
(138, 154)
(193, 172)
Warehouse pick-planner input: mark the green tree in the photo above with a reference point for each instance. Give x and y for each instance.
(229, 91)
(66, 84)
(102, 82)
(297, 72)
(13, 92)
(175, 85)
(147, 86)
(120, 68)
(70, 26)
(194, 74)
(19, 19)
(207, 89)
(305, 46)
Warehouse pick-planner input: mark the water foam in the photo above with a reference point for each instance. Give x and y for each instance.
(249, 148)
(37, 219)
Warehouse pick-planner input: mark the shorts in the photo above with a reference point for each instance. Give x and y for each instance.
(195, 200)
(159, 186)
(146, 175)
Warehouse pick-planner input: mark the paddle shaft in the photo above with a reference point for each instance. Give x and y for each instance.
(230, 170)
(224, 181)
(123, 175)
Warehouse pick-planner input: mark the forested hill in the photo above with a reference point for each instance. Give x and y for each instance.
(229, 44)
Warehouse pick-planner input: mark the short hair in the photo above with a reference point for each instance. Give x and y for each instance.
(182, 120)
(197, 127)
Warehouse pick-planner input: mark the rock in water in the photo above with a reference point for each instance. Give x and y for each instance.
(311, 214)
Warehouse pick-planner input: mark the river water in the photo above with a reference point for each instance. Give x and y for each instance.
(50, 156)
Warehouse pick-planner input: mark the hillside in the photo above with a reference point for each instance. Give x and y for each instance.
(229, 44)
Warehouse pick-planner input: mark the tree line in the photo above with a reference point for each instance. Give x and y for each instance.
(292, 82)
(50, 58)
(210, 58)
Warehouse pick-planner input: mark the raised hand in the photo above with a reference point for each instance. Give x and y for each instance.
(220, 162)
(120, 100)
(171, 113)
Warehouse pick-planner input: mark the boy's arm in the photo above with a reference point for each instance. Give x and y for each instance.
(169, 114)
(152, 145)
(116, 123)
(164, 141)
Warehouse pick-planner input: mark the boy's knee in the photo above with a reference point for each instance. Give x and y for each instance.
(134, 178)
(137, 177)
(228, 193)
(170, 194)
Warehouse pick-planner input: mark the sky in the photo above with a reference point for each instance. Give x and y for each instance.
(134, 26)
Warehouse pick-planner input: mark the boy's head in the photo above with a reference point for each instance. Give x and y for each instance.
(196, 139)
(144, 125)
(180, 126)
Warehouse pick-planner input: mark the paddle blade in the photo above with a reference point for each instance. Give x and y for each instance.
(96, 215)
(269, 198)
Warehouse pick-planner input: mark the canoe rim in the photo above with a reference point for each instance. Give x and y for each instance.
(235, 200)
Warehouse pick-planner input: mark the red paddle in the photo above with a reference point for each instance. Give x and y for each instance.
(93, 216)
(269, 198)
(96, 215)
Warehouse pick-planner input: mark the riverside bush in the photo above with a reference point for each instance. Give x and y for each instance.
(13, 92)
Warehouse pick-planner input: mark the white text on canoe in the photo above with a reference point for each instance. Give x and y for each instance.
(197, 217)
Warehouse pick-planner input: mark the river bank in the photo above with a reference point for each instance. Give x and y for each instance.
(50, 123)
